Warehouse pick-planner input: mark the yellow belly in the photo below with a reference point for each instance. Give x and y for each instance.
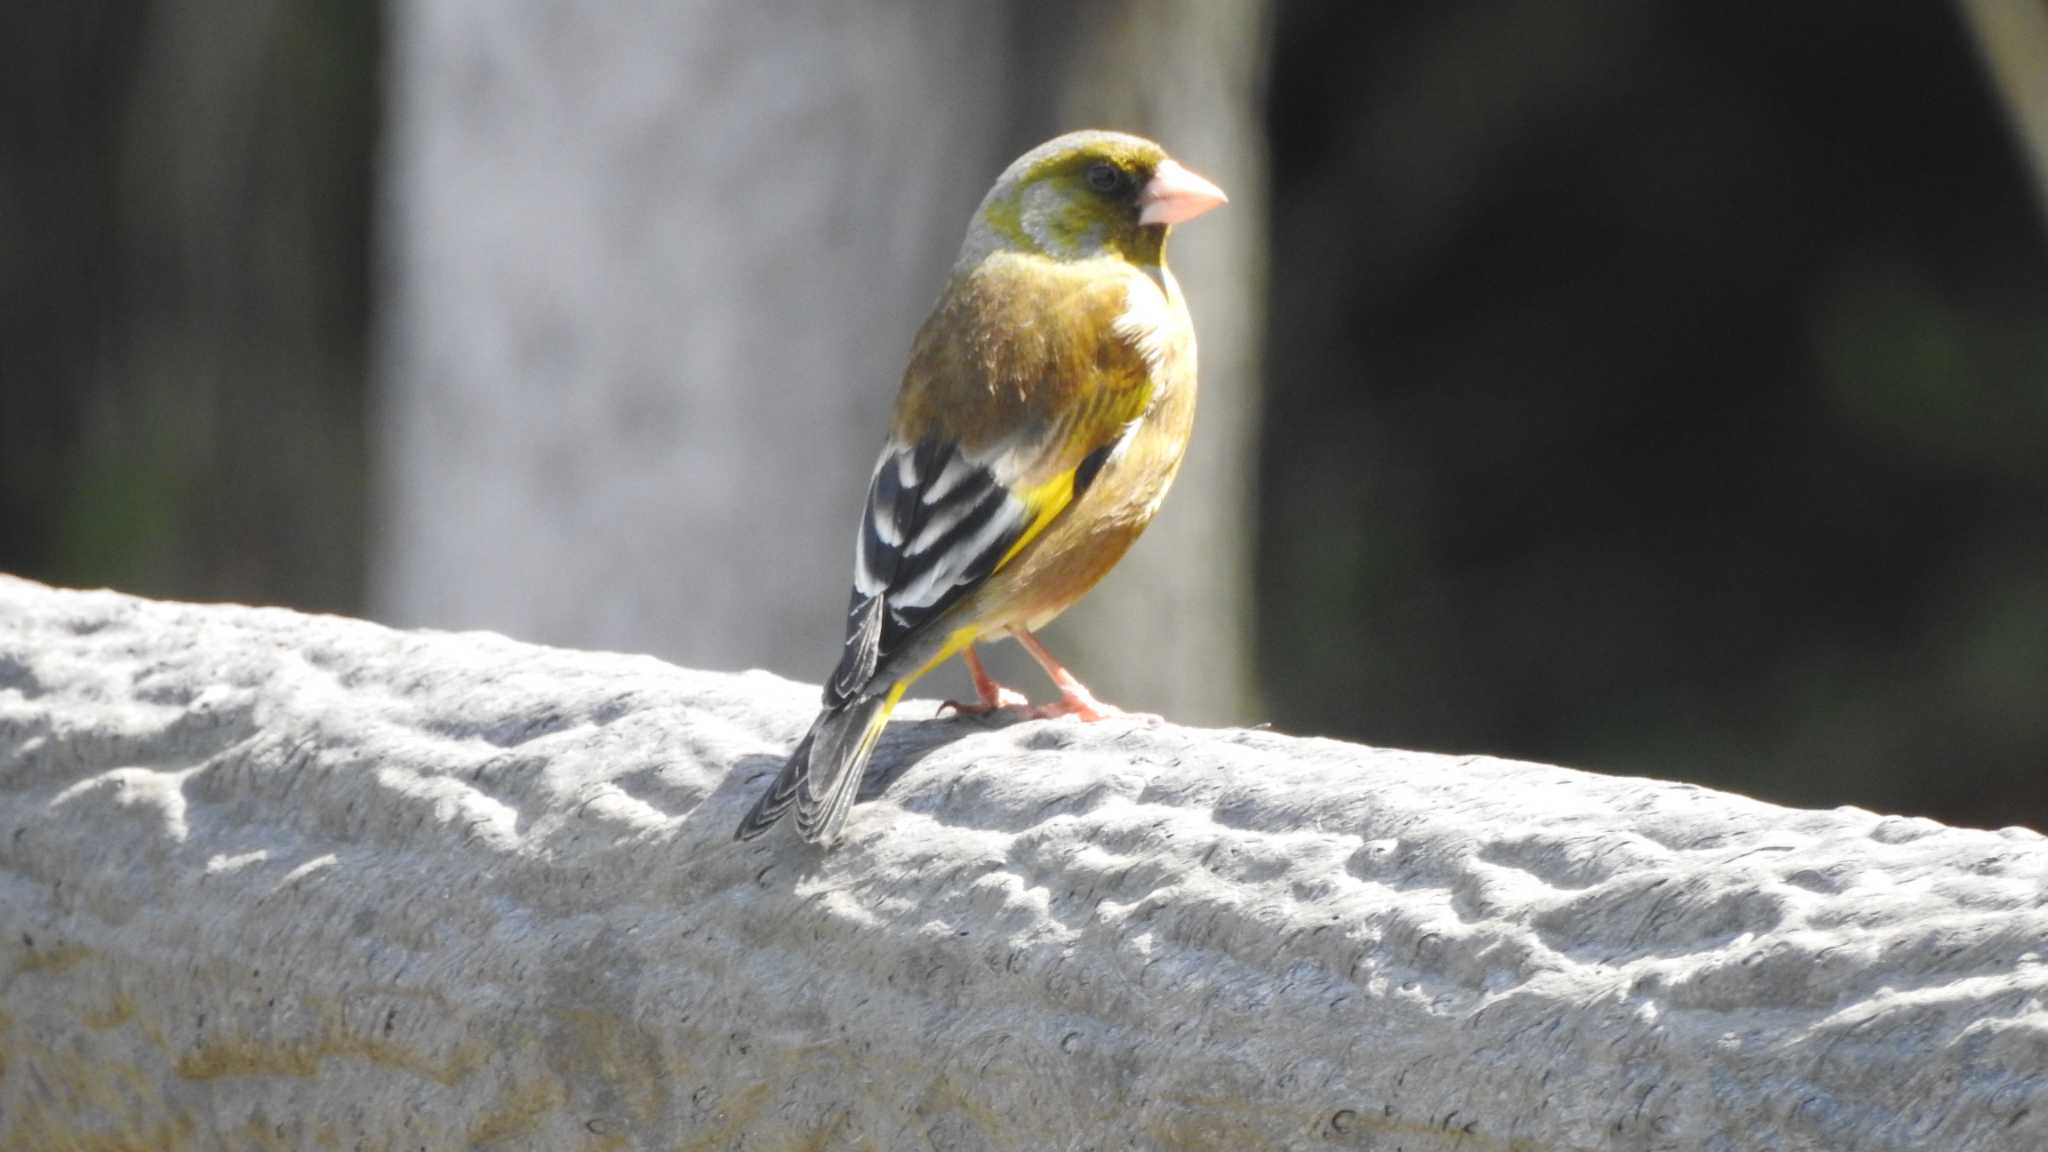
(1086, 541)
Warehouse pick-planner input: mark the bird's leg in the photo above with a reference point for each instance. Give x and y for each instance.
(1075, 699)
(989, 695)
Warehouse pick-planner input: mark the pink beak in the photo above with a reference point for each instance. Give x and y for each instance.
(1175, 195)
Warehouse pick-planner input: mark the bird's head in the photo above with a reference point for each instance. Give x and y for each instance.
(1087, 195)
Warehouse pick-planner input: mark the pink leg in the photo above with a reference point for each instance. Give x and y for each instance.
(1075, 699)
(989, 695)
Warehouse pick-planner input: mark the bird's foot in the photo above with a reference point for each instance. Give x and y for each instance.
(989, 696)
(1078, 702)
(1001, 698)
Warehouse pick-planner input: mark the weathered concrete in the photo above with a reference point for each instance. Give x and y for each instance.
(269, 880)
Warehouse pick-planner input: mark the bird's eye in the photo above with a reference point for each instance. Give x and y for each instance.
(1104, 177)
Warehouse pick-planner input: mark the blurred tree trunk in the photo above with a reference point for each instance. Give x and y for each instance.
(2013, 37)
(1171, 628)
(183, 204)
(654, 270)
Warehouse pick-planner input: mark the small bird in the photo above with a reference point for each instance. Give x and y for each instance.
(1048, 399)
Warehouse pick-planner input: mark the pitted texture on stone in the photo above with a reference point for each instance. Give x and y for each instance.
(270, 880)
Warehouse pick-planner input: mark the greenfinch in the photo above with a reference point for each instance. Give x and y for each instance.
(1043, 415)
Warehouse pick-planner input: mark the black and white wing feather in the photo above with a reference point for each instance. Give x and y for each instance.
(937, 522)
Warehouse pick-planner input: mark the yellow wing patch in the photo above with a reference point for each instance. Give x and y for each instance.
(1046, 501)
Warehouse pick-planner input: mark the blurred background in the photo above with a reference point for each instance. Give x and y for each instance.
(1655, 388)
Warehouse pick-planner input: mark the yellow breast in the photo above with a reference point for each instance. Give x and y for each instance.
(1087, 540)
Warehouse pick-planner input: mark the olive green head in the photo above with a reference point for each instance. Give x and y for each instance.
(1087, 195)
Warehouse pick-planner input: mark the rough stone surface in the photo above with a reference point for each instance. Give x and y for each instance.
(277, 881)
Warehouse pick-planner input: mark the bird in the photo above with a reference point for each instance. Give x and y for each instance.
(1048, 400)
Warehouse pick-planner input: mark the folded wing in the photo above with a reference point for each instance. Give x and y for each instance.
(1021, 385)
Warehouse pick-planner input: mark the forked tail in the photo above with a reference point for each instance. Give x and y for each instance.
(822, 776)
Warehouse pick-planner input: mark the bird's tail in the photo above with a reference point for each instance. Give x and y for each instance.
(822, 776)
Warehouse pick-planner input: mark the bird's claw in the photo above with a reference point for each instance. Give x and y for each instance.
(1003, 698)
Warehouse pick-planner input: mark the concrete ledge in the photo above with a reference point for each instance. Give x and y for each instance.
(271, 880)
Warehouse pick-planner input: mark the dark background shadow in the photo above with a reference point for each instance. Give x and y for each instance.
(1663, 389)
